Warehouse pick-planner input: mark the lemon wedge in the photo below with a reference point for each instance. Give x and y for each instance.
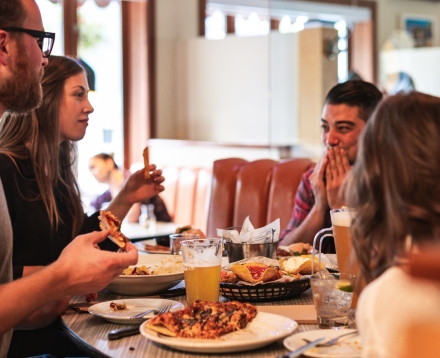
(344, 286)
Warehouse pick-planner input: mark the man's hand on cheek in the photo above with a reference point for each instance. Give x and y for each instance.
(336, 171)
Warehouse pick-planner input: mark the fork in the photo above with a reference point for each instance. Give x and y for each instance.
(163, 308)
(332, 341)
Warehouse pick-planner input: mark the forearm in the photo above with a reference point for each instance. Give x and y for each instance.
(120, 206)
(307, 230)
(22, 297)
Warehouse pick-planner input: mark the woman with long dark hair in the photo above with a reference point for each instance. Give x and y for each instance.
(394, 185)
(37, 159)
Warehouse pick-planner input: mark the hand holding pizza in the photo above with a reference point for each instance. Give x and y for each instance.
(137, 188)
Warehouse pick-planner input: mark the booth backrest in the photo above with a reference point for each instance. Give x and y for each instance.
(263, 189)
(186, 194)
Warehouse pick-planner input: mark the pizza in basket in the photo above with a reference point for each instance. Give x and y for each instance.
(202, 319)
(112, 223)
(255, 272)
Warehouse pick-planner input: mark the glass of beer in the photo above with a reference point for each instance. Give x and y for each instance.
(347, 262)
(202, 261)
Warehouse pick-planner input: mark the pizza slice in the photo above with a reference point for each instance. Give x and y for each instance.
(202, 319)
(110, 222)
(146, 163)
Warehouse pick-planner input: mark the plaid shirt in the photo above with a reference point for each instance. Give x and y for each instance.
(304, 201)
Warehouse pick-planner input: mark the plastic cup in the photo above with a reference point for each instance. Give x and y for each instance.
(332, 296)
(176, 239)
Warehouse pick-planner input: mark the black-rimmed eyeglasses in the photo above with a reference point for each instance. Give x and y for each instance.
(45, 39)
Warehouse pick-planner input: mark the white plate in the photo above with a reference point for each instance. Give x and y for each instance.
(140, 245)
(134, 305)
(263, 330)
(146, 285)
(347, 347)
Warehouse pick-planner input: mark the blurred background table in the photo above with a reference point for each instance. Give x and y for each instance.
(136, 232)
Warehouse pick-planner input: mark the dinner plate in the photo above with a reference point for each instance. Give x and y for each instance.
(347, 347)
(147, 284)
(263, 330)
(134, 306)
(140, 245)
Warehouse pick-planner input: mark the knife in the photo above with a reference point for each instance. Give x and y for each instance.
(301, 349)
(124, 332)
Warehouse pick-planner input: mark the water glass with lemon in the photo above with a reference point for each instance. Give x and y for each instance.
(332, 295)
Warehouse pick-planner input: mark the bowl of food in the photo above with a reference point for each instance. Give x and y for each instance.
(151, 275)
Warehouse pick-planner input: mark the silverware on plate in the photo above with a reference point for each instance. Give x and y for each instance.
(333, 341)
(297, 352)
(164, 307)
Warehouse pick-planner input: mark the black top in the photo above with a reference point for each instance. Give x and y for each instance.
(35, 242)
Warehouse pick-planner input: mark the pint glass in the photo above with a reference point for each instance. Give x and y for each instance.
(347, 262)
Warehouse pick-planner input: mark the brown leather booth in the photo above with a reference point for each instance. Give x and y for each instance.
(263, 189)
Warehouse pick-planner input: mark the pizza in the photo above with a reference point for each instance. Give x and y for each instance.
(255, 272)
(188, 229)
(202, 319)
(146, 163)
(157, 248)
(112, 223)
(118, 306)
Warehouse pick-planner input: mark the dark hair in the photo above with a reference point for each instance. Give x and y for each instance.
(105, 157)
(394, 182)
(361, 94)
(39, 132)
(12, 13)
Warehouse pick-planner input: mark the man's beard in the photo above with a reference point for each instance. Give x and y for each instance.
(22, 91)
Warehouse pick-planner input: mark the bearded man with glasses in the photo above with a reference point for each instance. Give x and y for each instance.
(24, 48)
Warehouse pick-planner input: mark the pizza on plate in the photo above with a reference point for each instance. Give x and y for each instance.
(202, 319)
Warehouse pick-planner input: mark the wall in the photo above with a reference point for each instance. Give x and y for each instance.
(389, 12)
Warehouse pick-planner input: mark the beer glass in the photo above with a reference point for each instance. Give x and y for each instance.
(347, 262)
(202, 261)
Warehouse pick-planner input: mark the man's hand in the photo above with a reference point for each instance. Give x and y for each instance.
(318, 183)
(87, 269)
(337, 168)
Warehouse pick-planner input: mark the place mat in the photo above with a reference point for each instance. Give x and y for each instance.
(303, 314)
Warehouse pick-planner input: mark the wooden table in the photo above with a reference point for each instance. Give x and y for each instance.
(90, 333)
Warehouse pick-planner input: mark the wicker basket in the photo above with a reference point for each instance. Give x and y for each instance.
(266, 292)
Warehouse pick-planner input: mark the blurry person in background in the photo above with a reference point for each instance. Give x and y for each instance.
(106, 171)
(394, 185)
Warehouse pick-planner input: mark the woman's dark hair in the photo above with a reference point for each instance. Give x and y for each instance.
(394, 182)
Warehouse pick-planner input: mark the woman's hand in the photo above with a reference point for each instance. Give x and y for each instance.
(137, 188)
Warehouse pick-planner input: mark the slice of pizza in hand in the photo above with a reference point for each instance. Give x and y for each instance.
(146, 163)
(110, 222)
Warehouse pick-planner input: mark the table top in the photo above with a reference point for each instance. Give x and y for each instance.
(136, 231)
(90, 333)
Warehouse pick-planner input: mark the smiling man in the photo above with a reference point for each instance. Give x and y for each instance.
(346, 109)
